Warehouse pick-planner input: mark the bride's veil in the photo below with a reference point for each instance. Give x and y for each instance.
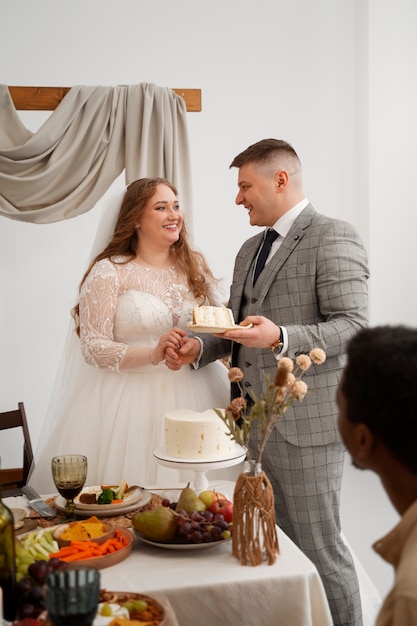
(72, 365)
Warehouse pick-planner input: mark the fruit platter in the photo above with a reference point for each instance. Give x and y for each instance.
(193, 522)
(134, 606)
(115, 607)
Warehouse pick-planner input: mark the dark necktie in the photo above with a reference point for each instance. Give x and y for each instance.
(271, 235)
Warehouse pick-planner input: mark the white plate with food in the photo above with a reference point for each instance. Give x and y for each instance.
(182, 546)
(131, 496)
(129, 504)
(219, 330)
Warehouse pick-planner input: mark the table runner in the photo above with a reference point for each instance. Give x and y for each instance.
(125, 521)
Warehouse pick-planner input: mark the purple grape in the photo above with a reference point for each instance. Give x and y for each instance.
(35, 595)
(38, 570)
(222, 524)
(216, 532)
(182, 513)
(23, 586)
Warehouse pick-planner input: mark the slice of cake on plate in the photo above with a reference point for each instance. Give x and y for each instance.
(213, 316)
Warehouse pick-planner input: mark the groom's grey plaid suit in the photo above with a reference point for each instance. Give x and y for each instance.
(316, 286)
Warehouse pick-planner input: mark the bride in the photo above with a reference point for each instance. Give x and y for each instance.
(135, 301)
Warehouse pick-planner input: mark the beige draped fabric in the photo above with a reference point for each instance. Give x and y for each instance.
(63, 169)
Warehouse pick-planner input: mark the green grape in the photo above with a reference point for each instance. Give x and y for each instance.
(226, 534)
(106, 610)
(129, 606)
(140, 605)
(22, 570)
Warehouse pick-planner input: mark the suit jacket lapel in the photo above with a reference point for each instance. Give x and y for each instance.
(295, 235)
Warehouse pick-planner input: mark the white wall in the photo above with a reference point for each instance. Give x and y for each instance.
(323, 75)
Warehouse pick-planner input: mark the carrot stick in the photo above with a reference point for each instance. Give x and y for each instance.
(78, 557)
(81, 550)
(67, 550)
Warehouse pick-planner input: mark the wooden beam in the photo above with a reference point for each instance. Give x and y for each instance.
(48, 98)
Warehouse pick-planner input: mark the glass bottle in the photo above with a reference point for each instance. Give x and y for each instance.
(7, 561)
(251, 468)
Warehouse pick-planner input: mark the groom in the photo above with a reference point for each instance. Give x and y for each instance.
(311, 292)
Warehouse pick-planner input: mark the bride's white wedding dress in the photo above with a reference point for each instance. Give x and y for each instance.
(116, 417)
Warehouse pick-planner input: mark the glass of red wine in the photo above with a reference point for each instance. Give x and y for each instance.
(69, 472)
(72, 596)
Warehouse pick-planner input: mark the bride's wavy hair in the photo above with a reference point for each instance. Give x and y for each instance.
(124, 242)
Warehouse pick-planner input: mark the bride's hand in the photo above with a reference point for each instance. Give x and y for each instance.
(173, 339)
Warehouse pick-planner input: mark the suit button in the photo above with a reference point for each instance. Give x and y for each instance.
(248, 364)
(253, 300)
(247, 384)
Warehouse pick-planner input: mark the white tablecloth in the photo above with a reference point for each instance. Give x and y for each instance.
(210, 586)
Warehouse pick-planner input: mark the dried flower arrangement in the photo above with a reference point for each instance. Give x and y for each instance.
(280, 394)
(254, 530)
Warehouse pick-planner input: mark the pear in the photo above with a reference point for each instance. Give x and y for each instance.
(157, 524)
(189, 501)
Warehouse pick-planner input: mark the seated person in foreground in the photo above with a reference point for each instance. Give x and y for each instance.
(377, 399)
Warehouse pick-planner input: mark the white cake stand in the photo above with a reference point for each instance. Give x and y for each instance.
(200, 467)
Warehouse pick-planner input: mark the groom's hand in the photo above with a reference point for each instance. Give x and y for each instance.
(186, 354)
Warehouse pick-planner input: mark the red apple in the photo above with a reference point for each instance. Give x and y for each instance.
(223, 506)
(209, 496)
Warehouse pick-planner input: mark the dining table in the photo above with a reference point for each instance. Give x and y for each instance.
(206, 585)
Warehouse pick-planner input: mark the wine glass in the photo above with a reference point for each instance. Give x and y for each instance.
(69, 473)
(72, 596)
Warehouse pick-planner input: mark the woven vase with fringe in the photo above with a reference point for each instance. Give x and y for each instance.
(254, 537)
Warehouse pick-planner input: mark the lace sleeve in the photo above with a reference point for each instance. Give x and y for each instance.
(98, 302)
(216, 295)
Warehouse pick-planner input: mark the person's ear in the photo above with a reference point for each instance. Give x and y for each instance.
(281, 180)
(364, 441)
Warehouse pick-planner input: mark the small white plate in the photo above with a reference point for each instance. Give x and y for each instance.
(183, 546)
(18, 516)
(218, 330)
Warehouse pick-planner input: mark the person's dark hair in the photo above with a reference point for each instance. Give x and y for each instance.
(265, 150)
(379, 384)
(124, 241)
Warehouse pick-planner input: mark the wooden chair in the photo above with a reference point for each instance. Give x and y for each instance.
(12, 480)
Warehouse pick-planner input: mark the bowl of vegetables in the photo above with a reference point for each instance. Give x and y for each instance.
(91, 529)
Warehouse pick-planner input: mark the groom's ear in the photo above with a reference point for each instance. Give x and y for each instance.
(281, 180)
